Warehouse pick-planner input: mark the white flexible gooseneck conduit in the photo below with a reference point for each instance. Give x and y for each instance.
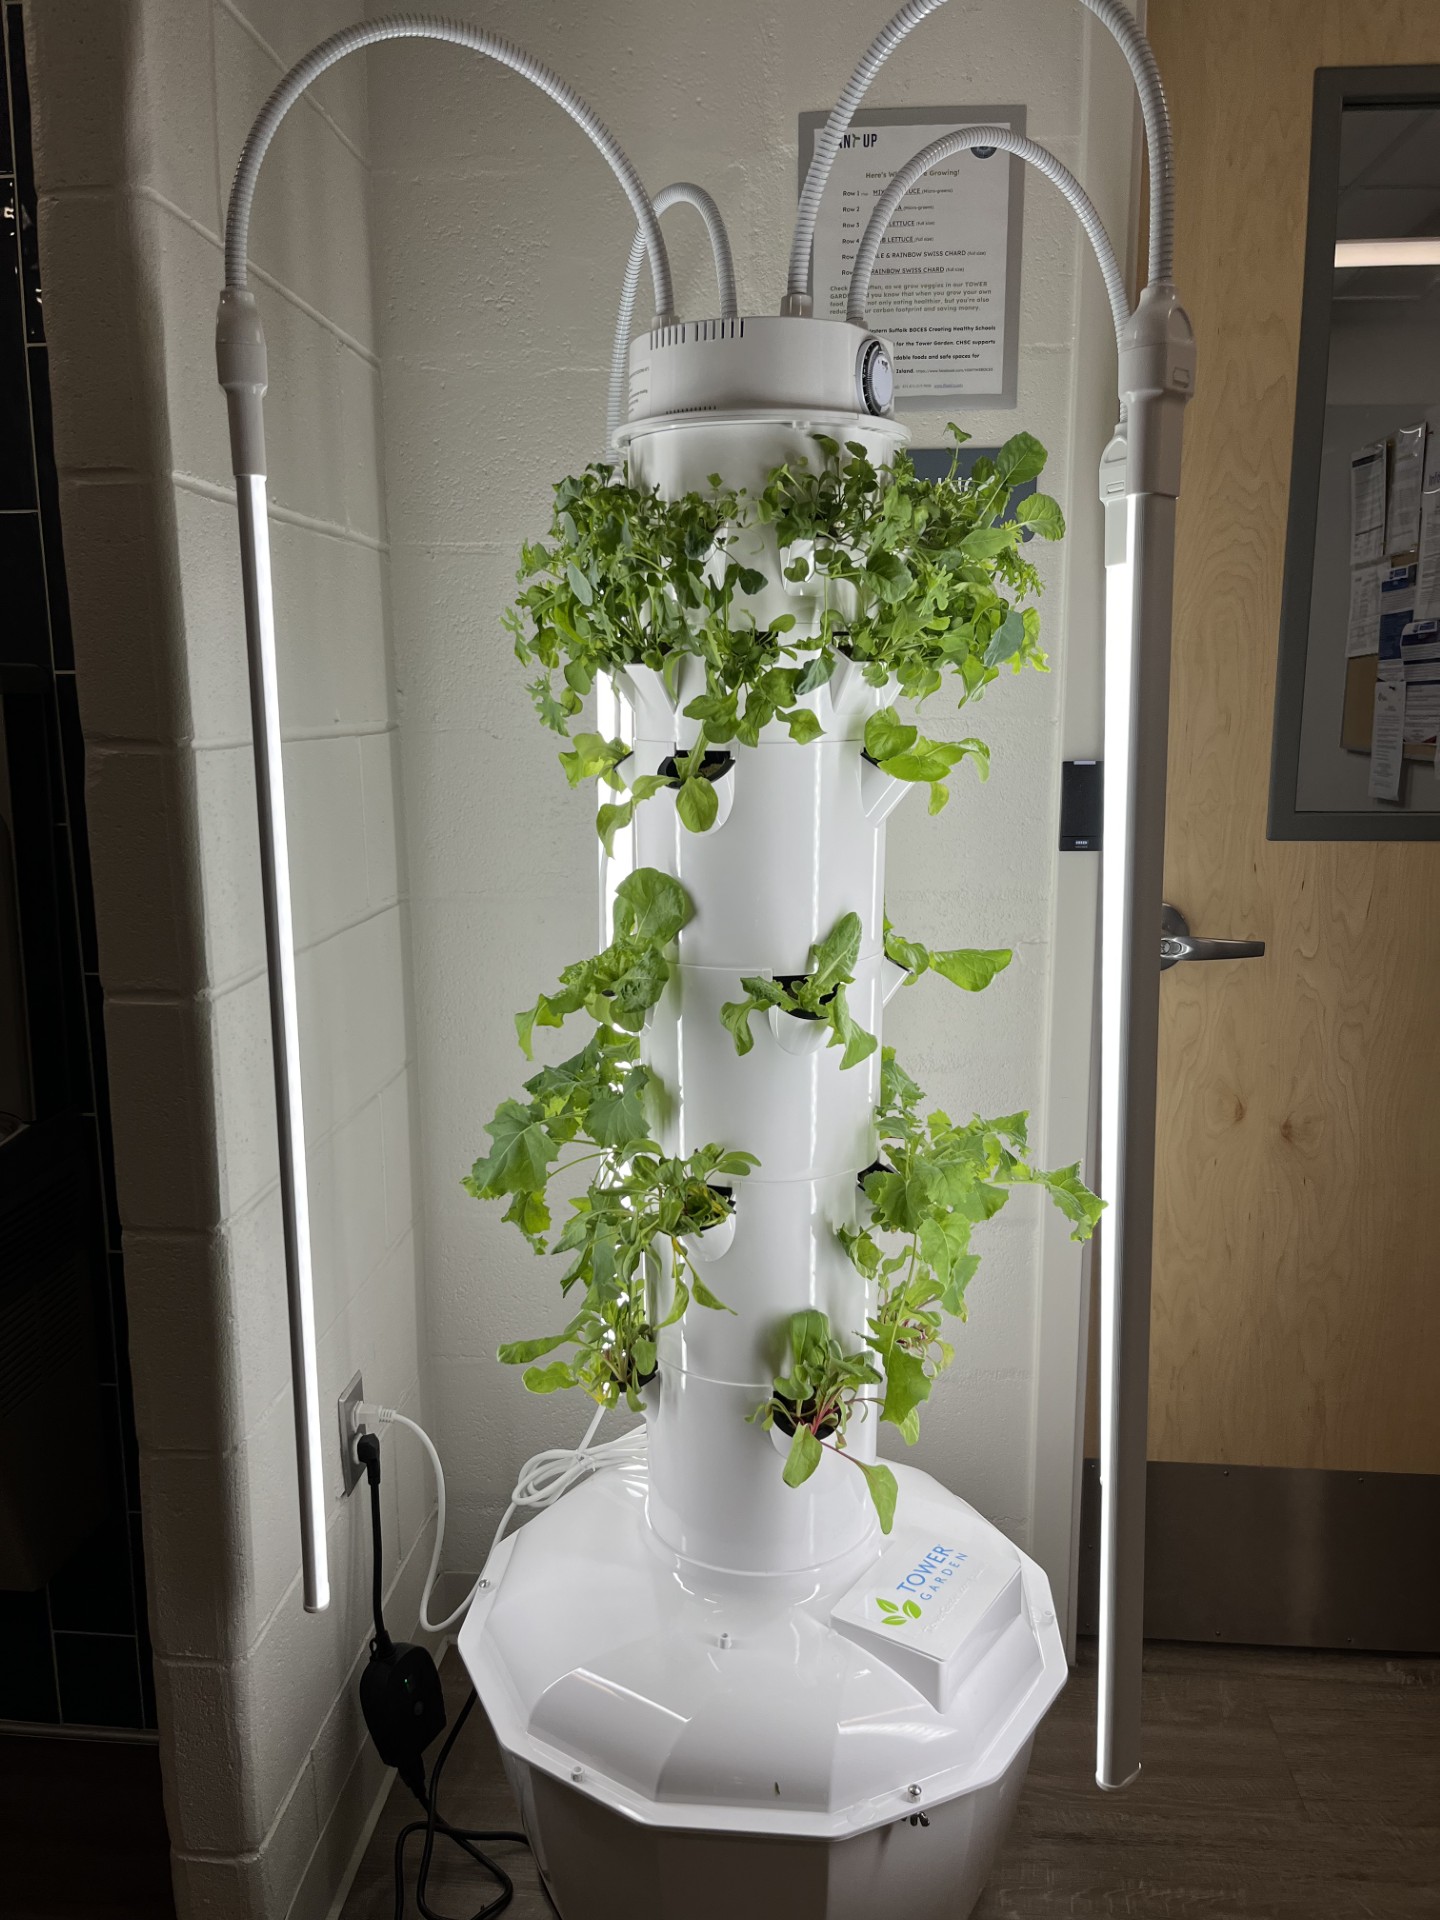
(966, 141)
(827, 144)
(682, 193)
(429, 26)
(1154, 111)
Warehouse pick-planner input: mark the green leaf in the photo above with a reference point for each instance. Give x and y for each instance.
(551, 1379)
(913, 1608)
(1042, 515)
(617, 1118)
(697, 804)
(930, 760)
(610, 818)
(907, 1386)
(832, 960)
(1021, 458)
(735, 1014)
(883, 1491)
(847, 1032)
(520, 1154)
(650, 906)
(972, 968)
(579, 584)
(804, 725)
(519, 1353)
(529, 1213)
(592, 758)
(986, 543)
(817, 672)
(1074, 1199)
(803, 1458)
(886, 735)
(1006, 641)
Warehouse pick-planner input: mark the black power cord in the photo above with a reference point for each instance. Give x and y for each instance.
(404, 1708)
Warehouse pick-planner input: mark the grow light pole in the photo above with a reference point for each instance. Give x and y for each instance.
(1139, 484)
(241, 365)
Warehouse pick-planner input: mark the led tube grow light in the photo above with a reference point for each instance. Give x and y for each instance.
(240, 358)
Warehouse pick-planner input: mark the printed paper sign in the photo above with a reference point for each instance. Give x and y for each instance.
(1367, 504)
(940, 283)
(1387, 739)
(1362, 632)
(1402, 515)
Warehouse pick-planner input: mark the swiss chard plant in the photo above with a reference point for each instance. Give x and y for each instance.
(813, 1402)
(816, 995)
(918, 582)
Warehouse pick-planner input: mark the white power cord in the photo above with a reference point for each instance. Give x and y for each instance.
(543, 1479)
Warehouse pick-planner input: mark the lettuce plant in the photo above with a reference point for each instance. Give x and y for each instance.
(816, 995)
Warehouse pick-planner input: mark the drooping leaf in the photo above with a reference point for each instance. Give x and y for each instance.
(883, 1491)
(803, 1458)
(972, 968)
(697, 804)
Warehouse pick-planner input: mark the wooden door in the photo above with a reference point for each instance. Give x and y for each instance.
(1297, 1250)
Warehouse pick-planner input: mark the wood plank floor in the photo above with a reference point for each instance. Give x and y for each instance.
(1277, 1786)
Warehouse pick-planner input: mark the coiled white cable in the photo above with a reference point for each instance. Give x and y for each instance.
(686, 193)
(542, 1480)
(966, 140)
(425, 26)
(1115, 17)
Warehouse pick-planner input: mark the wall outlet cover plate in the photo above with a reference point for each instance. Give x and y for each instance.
(351, 1471)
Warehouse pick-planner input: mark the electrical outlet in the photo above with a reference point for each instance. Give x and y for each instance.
(348, 1406)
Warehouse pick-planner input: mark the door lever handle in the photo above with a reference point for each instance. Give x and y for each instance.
(1177, 943)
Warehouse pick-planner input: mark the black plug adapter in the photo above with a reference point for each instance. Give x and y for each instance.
(404, 1708)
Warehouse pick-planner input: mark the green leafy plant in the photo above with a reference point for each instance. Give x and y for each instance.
(904, 753)
(813, 1401)
(941, 1181)
(816, 995)
(911, 579)
(935, 565)
(637, 1199)
(620, 985)
(972, 968)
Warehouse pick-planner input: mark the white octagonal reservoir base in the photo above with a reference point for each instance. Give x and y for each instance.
(686, 1742)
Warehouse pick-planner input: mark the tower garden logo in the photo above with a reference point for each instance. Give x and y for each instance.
(897, 1616)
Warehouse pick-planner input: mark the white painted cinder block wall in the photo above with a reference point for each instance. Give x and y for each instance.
(141, 106)
(499, 244)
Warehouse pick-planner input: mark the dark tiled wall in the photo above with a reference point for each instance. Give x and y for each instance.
(77, 1653)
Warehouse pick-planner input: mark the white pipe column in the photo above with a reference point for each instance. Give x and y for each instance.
(799, 841)
(1139, 483)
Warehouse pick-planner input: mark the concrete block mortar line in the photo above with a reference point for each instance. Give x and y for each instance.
(336, 1517)
(438, 1645)
(136, 190)
(209, 490)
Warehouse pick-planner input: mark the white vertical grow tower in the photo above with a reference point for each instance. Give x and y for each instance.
(703, 1709)
(685, 1662)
